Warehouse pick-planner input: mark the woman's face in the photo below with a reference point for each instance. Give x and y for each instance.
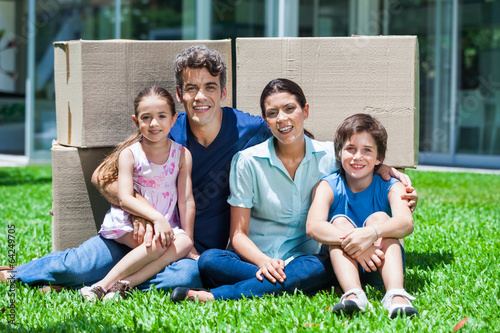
(285, 117)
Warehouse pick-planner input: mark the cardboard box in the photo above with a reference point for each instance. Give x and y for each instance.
(340, 76)
(77, 207)
(96, 83)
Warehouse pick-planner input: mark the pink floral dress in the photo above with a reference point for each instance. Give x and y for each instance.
(156, 183)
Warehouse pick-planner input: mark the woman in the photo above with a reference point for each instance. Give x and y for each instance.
(271, 185)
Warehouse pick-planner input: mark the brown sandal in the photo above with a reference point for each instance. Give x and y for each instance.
(121, 288)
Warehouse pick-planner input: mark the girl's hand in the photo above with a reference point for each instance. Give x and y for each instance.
(272, 270)
(163, 233)
(358, 240)
(371, 258)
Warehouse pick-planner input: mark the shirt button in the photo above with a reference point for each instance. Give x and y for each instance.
(296, 193)
(297, 210)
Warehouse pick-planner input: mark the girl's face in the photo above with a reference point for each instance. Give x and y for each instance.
(360, 156)
(285, 117)
(154, 118)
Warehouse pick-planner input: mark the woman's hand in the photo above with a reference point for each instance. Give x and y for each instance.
(371, 258)
(358, 240)
(163, 233)
(273, 269)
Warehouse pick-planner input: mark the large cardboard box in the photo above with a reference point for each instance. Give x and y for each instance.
(77, 207)
(96, 83)
(340, 76)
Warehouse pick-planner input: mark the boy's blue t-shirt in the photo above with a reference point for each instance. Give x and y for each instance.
(358, 206)
(210, 173)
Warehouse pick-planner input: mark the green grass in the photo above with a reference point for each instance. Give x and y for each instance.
(452, 269)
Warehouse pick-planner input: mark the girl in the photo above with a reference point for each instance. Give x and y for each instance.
(364, 211)
(160, 171)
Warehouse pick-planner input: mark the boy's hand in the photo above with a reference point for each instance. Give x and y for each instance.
(371, 258)
(357, 241)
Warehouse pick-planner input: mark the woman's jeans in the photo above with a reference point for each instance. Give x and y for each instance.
(92, 260)
(229, 277)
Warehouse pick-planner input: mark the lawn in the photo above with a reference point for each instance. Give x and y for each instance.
(452, 269)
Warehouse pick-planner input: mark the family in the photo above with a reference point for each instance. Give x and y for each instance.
(241, 205)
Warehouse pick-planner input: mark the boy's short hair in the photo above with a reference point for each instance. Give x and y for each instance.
(359, 123)
(199, 56)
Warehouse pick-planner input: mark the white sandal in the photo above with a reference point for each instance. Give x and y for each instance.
(399, 308)
(354, 305)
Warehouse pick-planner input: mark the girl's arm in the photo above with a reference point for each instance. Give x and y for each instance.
(135, 206)
(185, 199)
(318, 227)
(398, 226)
(246, 248)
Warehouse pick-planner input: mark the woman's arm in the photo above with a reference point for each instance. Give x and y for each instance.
(318, 227)
(272, 269)
(185, 199)
(129, 202)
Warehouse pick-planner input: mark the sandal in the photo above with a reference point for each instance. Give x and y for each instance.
(354, 305)
(399, 308)
(92, 293)
(120, 288)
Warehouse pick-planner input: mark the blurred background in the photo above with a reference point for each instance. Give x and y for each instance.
(459, 43)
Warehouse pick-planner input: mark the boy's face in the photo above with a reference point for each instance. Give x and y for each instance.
(360, 156)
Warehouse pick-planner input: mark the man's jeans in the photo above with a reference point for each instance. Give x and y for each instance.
(232, 278)
(92, 260)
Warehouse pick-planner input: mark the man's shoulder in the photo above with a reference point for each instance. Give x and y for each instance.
(245, 118)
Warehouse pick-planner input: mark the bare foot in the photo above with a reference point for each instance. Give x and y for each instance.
(203, 296)
(5, 275)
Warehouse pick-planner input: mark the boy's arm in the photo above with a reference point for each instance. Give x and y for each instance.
(318, 227)
(410, 195)
(400, 224)
(185, 199)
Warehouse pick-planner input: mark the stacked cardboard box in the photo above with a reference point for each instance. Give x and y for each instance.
(97, 81)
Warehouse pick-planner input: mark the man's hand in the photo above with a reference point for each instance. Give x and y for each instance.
(143, 231)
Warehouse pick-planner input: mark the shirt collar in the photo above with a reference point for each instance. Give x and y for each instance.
(266, 150)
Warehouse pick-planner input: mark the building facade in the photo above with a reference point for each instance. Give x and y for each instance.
(459, 44)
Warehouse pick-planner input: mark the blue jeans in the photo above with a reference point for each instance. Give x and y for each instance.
(92, 260)
(229, 277)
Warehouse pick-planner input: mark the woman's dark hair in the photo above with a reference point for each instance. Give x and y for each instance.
(359, 123)
(283, 85)
(109, 169)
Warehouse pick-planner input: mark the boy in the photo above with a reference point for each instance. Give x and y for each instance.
(367, 218)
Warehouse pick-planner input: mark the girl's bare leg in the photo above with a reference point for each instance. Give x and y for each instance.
(177, 250)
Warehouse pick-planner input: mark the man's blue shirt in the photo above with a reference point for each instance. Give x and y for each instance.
(210, 173)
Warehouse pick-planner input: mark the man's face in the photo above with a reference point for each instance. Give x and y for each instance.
(201, 95)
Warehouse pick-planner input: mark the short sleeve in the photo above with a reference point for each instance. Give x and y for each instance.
(241, 182)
